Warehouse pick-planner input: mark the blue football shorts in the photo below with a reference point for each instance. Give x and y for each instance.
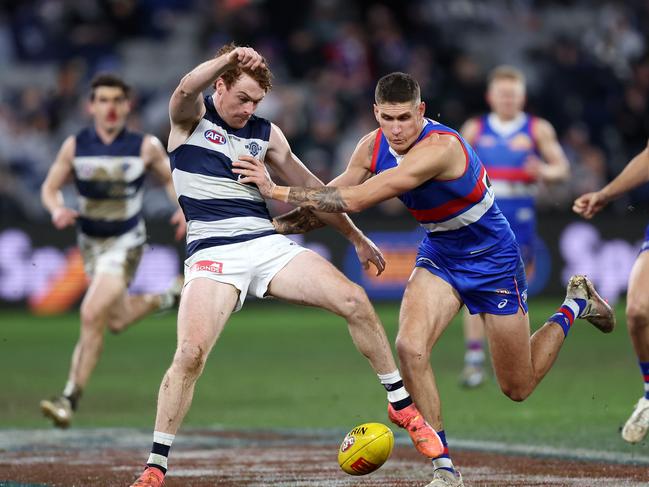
(492, 281)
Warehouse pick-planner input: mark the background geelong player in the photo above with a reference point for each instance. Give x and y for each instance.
(108, 164)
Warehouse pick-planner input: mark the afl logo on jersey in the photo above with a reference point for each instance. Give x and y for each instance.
(214, 137)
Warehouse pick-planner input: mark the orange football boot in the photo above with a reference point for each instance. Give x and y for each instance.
(151, 477)
(421, 433)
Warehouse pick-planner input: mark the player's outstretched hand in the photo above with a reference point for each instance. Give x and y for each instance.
(587, 205)
(178, 220)
(368, 252)
(64, 217)
(246, 57)
(253, 171)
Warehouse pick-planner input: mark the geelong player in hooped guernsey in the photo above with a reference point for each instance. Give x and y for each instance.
(108, 164)
(469, 255)
(219, 209)
(235, 249)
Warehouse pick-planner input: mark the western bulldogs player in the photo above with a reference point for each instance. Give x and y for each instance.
(469, 256)
(518, 151)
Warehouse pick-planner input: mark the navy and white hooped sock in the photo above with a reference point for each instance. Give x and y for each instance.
(644, 367)
(566, 314)
(160, 450)
(443, 461)
(397, 394)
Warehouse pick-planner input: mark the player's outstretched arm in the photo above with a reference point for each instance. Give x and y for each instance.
(634, 174)
(434, 156)
(59, 173)
(291, 170)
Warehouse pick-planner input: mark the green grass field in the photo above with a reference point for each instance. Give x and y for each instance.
(280, 366)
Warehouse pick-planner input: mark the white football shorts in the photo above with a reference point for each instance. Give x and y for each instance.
(118, 256)
(248, 266)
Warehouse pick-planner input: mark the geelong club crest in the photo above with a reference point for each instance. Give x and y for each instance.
(254, 148)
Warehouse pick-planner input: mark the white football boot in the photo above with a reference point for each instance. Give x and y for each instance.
(444, 478)
(597, 312)
(635, 428)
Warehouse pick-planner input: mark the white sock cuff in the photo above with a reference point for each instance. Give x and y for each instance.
(69, 389)
(398, 395)
(390, 378)
(163, 438)
(155, 459)
(574, 307)
(442, 463)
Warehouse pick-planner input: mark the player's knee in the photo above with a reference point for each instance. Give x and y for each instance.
(190, 359)
(90, 317)
(637, 315)
(355, 303)
(411, 352)
(115, 325)
(516, 393)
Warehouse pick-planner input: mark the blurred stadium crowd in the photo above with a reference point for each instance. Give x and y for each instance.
(587, 64)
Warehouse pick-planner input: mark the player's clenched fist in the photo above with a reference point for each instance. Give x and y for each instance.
(63, 217)
(246, 57)
(590, 203)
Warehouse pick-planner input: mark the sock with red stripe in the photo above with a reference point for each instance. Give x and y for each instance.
(566, 314)
(443, 461)
(644, 367)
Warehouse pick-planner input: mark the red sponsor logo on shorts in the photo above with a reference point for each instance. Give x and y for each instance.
(207, 266)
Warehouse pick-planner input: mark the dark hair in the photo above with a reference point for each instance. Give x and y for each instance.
(262, 75)
(397, 88)
(109, 79)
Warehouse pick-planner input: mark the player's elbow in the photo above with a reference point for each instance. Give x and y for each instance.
(356, 206)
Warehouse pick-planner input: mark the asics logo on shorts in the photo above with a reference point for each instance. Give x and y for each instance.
(207, 266)
(428, 261)
(502, 304)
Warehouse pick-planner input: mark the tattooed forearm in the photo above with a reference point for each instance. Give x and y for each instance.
(320, 199)
(300, 220)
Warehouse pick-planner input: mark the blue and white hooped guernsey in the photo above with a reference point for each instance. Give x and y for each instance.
(459, 215)
(109, 180)
(219, 209)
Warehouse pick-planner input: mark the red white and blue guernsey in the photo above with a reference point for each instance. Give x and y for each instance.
(469, 243)
(503, 149)
(219, 210)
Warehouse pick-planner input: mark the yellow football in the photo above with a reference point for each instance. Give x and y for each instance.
(365, 448)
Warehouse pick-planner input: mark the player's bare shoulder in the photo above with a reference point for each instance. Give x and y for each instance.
(438, 155)
(66, 152)
(152, 150)
(365, 149)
